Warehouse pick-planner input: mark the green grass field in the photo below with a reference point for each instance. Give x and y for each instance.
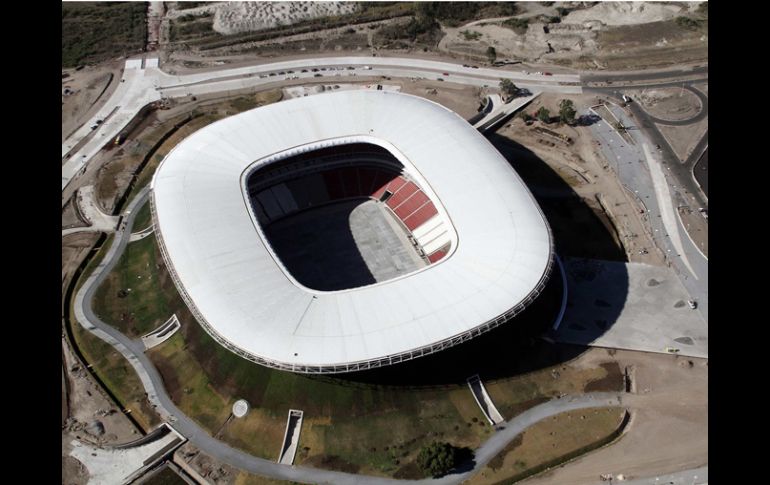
(349, 425)
(551, 442)
(95, 31)
(111, 368)
(143, 218)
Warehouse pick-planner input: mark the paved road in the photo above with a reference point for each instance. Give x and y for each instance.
(133, 350)
(702, 114)
(143, 82)
(642, 121)
(630, 77)
(647, 177)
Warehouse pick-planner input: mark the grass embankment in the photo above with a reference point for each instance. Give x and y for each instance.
(139, 311)
(552, 442)
(348, 426)
(143, 218)
(110, 367)
(95, 31)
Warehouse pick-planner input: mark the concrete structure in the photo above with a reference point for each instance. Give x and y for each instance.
(125, 463)
(630, 306)
(291, 437)
(240, 408)
(498, 260)
(482, 398)
(162, 333)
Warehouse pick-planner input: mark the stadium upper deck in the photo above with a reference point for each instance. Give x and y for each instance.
(499, 259)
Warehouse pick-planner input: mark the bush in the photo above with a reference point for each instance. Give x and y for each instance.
(519, 26)
(471, 34)
(437, 459)
(543, 115)
(688, 23)
(567, 111)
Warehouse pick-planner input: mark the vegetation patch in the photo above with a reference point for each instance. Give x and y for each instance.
(471, 34)
(95, 31)
(689, 23)
(552, 442)
(518, 25)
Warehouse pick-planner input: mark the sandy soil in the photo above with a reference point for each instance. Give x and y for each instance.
(609, 35)
(587, 172)
(684, 138)
(237, 17)
(463, 100)
(704, 88)
(87, 88)
(669, 409)
(626, 13)
(70, 216)
(673, 104)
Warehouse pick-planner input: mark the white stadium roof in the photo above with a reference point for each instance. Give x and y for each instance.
(244, 298)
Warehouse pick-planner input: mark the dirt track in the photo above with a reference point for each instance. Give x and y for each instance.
(669, 428)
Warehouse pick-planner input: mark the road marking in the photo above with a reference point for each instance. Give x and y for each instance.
(663, 196)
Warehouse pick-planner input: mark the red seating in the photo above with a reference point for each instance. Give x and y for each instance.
(403, 193)
(437, 255)
(408, 202)
(420, 216)
(406, 208)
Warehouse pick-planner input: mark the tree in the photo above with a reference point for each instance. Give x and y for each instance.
(567, 111)
(491, 54)
(543, 115)
(437, 459)
(508, 88)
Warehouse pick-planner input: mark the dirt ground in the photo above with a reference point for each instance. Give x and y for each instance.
(90, 88)
(606, 36)
(684, 138)
(669, 407)
(583, 167)
(70, 216)
(672, 104)
(463, 100)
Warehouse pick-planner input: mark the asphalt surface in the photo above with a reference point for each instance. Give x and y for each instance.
(702, 114)
(641, 121)
(647, 176)
(133, 350)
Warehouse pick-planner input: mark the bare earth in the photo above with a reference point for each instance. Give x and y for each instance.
(582, 166)
(672, 104)
(86, 86)
(669, 409)
(684, 138)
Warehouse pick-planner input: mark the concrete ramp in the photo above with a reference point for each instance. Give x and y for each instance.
(484, 401)
(162, 333)
(125, 463)
(500, 111)
(291, 437)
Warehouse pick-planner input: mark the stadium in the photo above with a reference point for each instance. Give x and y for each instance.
(347, 231)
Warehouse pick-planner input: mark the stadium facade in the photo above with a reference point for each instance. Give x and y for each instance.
(486, 247)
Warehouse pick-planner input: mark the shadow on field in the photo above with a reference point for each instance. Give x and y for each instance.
(515, 348)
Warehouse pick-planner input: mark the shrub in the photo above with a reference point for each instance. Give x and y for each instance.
(519, 26)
